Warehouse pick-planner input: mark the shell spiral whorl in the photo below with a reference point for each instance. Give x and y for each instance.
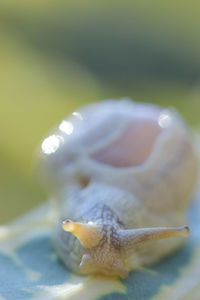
(123, 174)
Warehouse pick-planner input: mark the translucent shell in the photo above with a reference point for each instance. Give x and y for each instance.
(138, 147)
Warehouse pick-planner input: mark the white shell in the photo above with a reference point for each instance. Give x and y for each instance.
(153, 192)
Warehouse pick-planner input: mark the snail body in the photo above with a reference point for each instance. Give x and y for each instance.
(123, 174)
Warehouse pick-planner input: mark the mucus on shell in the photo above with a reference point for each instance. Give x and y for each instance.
(123, 174)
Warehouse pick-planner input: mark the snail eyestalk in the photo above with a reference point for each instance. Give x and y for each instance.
(129, 238)
(88, 234)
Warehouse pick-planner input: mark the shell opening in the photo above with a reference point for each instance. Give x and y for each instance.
(133, 146)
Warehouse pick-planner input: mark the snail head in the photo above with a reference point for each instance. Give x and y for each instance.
(104, 244)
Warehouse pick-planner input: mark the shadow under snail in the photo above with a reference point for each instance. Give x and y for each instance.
(123, 174)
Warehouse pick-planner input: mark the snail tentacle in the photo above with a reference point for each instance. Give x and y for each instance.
(132, 237)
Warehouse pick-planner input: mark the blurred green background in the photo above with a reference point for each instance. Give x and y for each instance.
(58, 55)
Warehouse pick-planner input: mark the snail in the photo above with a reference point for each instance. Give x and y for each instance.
(123, 174)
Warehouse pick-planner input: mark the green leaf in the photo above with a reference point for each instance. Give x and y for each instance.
(30, 269)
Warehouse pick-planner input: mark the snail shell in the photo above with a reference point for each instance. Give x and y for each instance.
(123, 174)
